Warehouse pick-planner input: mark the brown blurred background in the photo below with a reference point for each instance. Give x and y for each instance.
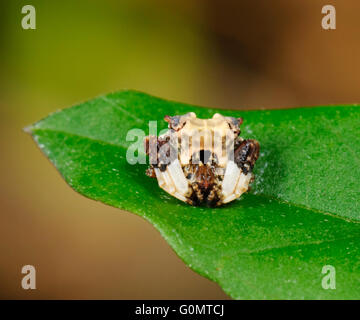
(229, 54)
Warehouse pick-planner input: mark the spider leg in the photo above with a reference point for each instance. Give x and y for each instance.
(173, 180)
(246, 154)
(238, 173)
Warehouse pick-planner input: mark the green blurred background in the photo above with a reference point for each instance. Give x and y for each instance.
(228, 54)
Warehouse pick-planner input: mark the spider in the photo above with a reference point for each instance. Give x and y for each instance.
(202, 160)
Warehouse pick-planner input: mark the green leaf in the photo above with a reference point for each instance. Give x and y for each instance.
(303, 211)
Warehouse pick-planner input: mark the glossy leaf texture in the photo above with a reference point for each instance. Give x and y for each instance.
(302, 214)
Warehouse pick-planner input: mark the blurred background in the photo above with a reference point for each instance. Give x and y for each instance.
(228, 54)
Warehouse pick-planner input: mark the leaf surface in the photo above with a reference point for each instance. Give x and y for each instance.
(303, 211)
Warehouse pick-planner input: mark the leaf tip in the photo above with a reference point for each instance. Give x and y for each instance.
(28, 129)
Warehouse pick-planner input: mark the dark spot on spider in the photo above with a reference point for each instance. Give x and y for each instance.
(246, 154)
